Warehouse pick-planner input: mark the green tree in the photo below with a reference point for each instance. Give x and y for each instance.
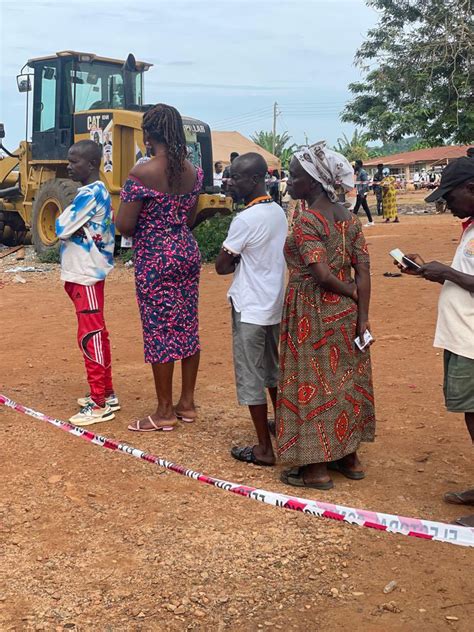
(282, 151)
(286, 156)
(411, 143)
(355, 148)
(417, 64)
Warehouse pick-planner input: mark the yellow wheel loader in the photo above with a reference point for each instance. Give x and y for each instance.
(78, 96)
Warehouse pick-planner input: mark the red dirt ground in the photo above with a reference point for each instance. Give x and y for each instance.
(93, 540)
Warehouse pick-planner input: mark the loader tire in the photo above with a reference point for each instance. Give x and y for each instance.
(52, 198)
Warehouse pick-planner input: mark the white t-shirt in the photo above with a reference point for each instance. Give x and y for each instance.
(218, 179)
(258, 235)
(455, 327)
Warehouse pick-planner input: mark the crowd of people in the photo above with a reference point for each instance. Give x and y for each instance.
(383, 184)
(304, 348)
(275, 181)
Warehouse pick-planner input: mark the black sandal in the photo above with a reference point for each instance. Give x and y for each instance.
(246, 455)
(466, 521)
(456, 498)
(336, 466)
(295, 478)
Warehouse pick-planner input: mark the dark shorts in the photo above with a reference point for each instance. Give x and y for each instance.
(458, 384)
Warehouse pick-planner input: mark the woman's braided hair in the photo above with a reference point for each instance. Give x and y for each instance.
(163, 124)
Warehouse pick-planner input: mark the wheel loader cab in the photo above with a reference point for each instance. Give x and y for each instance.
(79, 96)
(78, 82)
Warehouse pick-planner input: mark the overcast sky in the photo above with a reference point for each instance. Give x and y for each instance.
(224, 62)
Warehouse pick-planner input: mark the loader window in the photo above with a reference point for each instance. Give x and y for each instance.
(139, 88)
(99, 86)
(48, 98)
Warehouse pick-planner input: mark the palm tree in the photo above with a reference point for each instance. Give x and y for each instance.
(273, 145)
(286, 156)
(355, 148)
(276, 146)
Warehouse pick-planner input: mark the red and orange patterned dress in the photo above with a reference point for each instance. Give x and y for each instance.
(325, 404)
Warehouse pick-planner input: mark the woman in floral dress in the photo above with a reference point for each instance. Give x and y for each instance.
(389, 197)
(325, 405)
(158, 207)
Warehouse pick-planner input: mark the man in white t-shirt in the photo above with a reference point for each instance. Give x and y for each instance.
(253, 252)
(218, 173)
(455, 327)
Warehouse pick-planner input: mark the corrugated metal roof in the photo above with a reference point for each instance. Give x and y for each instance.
(432, 154)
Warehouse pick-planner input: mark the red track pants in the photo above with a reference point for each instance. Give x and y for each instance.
(93, 337)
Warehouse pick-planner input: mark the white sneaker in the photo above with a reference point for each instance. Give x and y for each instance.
(369, 224)
(92, 414)
(111, 401)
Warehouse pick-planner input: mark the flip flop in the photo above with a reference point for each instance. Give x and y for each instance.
(187, 420)
(455, 498)
(290, 477)
(246, 455)
(135, 426)
(337, 467)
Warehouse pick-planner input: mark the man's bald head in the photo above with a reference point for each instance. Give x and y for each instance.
(252, 164)
(247, 177)
(89, 150)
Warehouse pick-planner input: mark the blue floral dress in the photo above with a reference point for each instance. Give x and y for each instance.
(167, 268)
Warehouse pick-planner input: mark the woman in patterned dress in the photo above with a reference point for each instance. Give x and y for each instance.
(389, 197)
(325, 405)
(158, 207)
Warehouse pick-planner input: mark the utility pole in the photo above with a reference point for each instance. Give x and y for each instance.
(275, 114)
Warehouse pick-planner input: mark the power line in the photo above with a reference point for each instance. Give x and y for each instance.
(306, 113)
(244, 115)
(323, 108)
(312, 114)
(316, 103)
(284, 121)
(243, 119)
(245, 122)
(303, 110)
(291, 109)
(255, 125)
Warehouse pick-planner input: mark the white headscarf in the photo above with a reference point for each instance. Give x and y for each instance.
(328, 167)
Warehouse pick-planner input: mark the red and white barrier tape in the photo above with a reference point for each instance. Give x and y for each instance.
(415, 527)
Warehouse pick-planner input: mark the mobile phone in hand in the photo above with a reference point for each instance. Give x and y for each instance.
(403, 260)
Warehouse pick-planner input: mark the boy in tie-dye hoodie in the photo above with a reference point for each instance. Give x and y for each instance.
(87, 234)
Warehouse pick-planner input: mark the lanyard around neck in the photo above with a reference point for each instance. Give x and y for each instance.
(262, 199)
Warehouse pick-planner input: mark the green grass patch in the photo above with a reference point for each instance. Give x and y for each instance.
(211, 234)
(49, 256)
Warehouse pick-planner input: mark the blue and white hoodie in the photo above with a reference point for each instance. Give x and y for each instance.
(87, 233)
